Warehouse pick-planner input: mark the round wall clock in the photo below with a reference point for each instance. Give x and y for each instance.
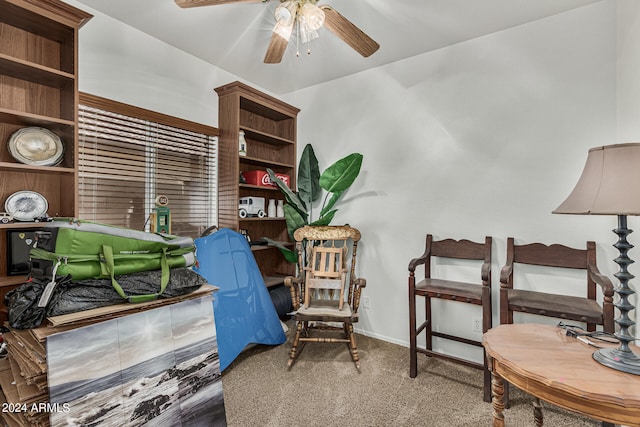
(36, 146)
(26, 205)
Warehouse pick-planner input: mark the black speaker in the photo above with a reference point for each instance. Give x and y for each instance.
(281, 298)
(19, 243)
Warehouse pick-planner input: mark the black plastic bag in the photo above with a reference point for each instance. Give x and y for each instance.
(22, 303)
(72, 296)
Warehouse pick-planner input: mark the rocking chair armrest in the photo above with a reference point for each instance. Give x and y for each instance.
(603, 281)
(360, 282)
(358, 285)
(294, 284)
(291, 280)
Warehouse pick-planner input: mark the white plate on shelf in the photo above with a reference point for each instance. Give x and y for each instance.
(36, 146)
(26, 205)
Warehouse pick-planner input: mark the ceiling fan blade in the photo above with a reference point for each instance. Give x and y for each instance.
(275, 51)
(348, 32)
(198, 3)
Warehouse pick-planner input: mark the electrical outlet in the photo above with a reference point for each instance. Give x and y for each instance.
(365, 302)
(477, 325)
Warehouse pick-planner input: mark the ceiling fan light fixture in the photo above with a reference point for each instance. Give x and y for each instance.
(312, 15)
(311, 19)
(285, 15)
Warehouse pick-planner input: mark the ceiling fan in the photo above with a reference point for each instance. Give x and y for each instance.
(308, 18)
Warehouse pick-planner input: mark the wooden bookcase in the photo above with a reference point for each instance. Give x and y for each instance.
(270, 131)
(38, 87)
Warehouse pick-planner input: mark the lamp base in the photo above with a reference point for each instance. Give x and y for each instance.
(624, 361)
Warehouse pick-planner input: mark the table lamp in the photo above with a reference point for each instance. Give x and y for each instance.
(610, 185)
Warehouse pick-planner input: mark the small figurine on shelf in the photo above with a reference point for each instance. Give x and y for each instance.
(161, 216)
(242, 144)
(245, 233)
(251, 206)
(5, 218)
(43, 218)
(271, 210)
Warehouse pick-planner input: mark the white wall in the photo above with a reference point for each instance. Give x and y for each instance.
(486, 137)
(628, 71)
(482, 138)
(629, 91)
(119, 62)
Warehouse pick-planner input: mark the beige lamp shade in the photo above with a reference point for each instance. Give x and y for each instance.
(609, 184)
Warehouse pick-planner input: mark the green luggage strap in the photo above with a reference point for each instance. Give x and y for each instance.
(107, 264)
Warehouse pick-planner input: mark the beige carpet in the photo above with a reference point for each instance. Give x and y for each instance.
(324, 389)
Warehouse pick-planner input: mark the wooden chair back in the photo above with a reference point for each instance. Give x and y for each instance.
(475, 291)
(326, 271)
(460, 249)
(326, 292)
(327, 255)
(562, 306)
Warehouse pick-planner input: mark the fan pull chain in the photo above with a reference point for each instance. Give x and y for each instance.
(298, 38)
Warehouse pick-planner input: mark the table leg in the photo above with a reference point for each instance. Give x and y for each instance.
(537, 412)
(497, 391)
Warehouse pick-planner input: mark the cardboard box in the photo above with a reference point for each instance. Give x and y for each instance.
(262, 178)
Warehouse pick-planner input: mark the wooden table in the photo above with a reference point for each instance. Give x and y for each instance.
(542, 361)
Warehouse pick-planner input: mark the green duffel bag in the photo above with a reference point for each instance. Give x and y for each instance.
(89, 250)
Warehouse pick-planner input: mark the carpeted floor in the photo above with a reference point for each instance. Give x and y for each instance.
(323, 388)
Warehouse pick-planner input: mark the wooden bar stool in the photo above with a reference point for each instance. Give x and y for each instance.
(470, 293)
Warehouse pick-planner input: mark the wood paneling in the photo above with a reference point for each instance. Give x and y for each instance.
(38, 87)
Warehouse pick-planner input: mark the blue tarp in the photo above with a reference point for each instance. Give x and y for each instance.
(243, 310)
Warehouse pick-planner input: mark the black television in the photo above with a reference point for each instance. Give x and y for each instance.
(19, 243)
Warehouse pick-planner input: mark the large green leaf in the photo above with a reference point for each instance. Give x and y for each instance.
(289, 255)
(340, 175)
(292, 198)
(326, 219)
(308, 176)
(294, 219)
(272, 242)
(332, 201)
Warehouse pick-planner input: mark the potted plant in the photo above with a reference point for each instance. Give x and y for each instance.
(334, 181)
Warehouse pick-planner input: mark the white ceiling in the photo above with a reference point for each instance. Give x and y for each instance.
(234, 37)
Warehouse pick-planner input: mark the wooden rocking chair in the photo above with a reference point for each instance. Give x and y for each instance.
(318, 293)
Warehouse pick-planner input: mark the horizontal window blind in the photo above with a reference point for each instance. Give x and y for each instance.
(126, 162)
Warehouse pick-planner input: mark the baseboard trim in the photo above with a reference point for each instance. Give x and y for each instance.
(381, 337)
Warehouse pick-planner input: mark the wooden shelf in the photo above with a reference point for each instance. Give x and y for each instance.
(12, 281)
(255, 218)
(259, 187)
(20, 225)
(39, 169)
(22, 118)
(38, 70)
(264, 163)
(52, 19)
(265, 137)
(36, 73)
(271, 281)
(269, 126)
(269, 247)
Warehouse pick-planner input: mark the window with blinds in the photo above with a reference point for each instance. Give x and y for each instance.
(126, 162)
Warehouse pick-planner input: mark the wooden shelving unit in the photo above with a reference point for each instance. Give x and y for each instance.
(270, 131)
(38, 87)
